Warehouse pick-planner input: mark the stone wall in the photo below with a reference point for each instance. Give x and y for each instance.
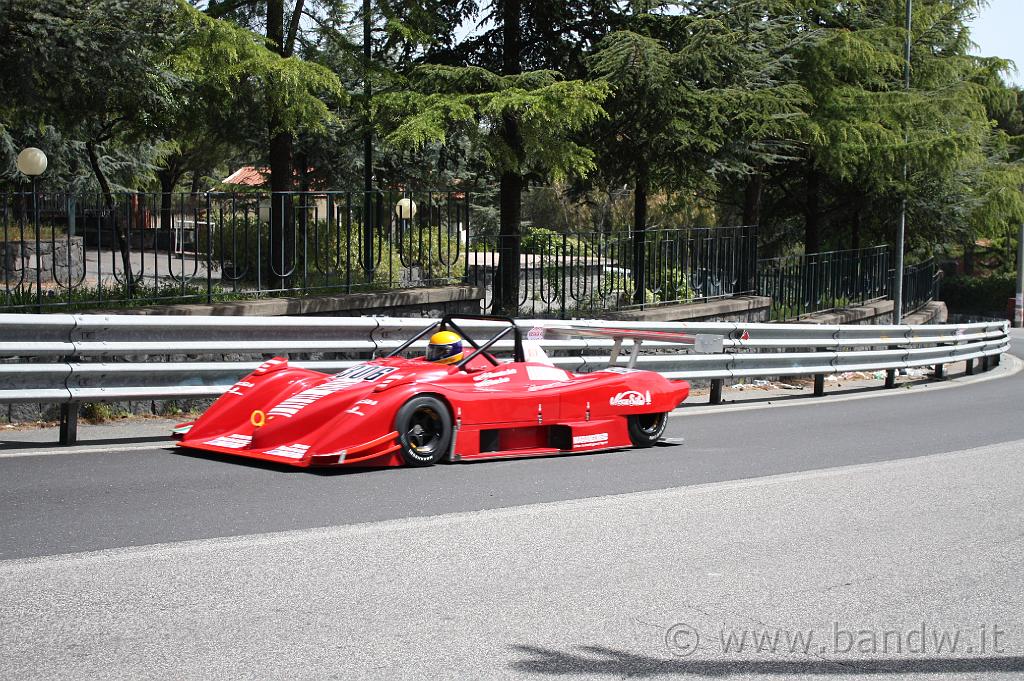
(60, 261)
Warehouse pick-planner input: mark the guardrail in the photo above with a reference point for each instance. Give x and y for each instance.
(70, 359)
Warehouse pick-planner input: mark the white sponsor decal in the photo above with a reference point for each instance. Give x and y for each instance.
(618, 370)
(355, 408)
(493, 381)
(536, 333)
(494, 374)
(270, 364)
(542, 373)
(236, 389)
(548, 386)
(233, 441)
(631, 398)
(590, 440)
(295, 451)
(294, 404)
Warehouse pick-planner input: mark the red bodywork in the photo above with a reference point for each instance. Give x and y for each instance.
(307, 418)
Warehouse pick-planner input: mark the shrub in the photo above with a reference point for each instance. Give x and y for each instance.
(331, 256)
(978, 295)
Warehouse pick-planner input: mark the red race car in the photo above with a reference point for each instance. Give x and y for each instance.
(456, 404)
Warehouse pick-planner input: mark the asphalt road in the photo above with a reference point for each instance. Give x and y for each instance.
(62, 504)
(876, 529)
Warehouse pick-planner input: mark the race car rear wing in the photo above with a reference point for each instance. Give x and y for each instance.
(703, 343)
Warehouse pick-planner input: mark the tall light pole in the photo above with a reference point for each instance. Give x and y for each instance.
(367, 255)
(1018, 301)
(32, 162)
(897, 310)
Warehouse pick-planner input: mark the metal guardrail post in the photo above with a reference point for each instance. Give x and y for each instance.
(716, 390)
(819, 380)
(69, 423)
(970, 367)
(940, 371)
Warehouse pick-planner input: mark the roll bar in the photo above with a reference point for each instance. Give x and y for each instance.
(447, 322)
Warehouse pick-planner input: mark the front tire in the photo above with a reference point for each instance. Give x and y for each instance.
(424, 430)
(646, 429)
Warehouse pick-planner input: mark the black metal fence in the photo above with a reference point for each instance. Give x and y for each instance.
(62, 251)
(67, 252)
(584, 273)
(920, 285)
(804, 284)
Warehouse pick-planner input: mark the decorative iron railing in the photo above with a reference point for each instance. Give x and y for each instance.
(583, 273)
(74, 252)
(61, 251)
(920, 285)
(804, 284)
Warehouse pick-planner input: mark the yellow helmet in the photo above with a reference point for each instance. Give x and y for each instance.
(445, 348)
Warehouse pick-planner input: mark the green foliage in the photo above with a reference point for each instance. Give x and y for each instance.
(445, 104)
(329, 256)
(100, 412)
(110, 296)
(544, 241)
(978, 295)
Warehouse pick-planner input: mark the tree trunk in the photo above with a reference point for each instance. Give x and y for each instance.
(281, 251)
(856, 227)
(640, 238)
(506, 281)
(168, 177)
(121, 238)
(282, 236)
(752, 199)
(812, 212)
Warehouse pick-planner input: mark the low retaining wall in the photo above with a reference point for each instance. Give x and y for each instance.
(415, 302)
(934, 312)
(738, 309)
(879, 312)
(60, 261)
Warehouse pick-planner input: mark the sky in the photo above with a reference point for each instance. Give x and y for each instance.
(997, 32)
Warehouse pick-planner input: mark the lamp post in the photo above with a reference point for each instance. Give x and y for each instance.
(32, 162)
(368, 257)
(897, 309)
(405, 210)
(1018, 301)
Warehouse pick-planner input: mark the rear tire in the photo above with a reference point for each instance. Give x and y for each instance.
(646, 429)
(424, 431)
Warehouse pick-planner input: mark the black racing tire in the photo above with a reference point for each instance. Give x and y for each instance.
(424, 431)
(646, 429)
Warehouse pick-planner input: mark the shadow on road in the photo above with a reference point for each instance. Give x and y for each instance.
(267, 465)
(7, 443)
(604, 661)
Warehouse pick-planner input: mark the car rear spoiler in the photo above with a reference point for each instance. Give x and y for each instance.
(704, 343)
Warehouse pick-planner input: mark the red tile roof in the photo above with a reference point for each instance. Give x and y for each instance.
(248, 176)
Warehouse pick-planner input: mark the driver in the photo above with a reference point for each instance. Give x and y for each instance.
(445, 347)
